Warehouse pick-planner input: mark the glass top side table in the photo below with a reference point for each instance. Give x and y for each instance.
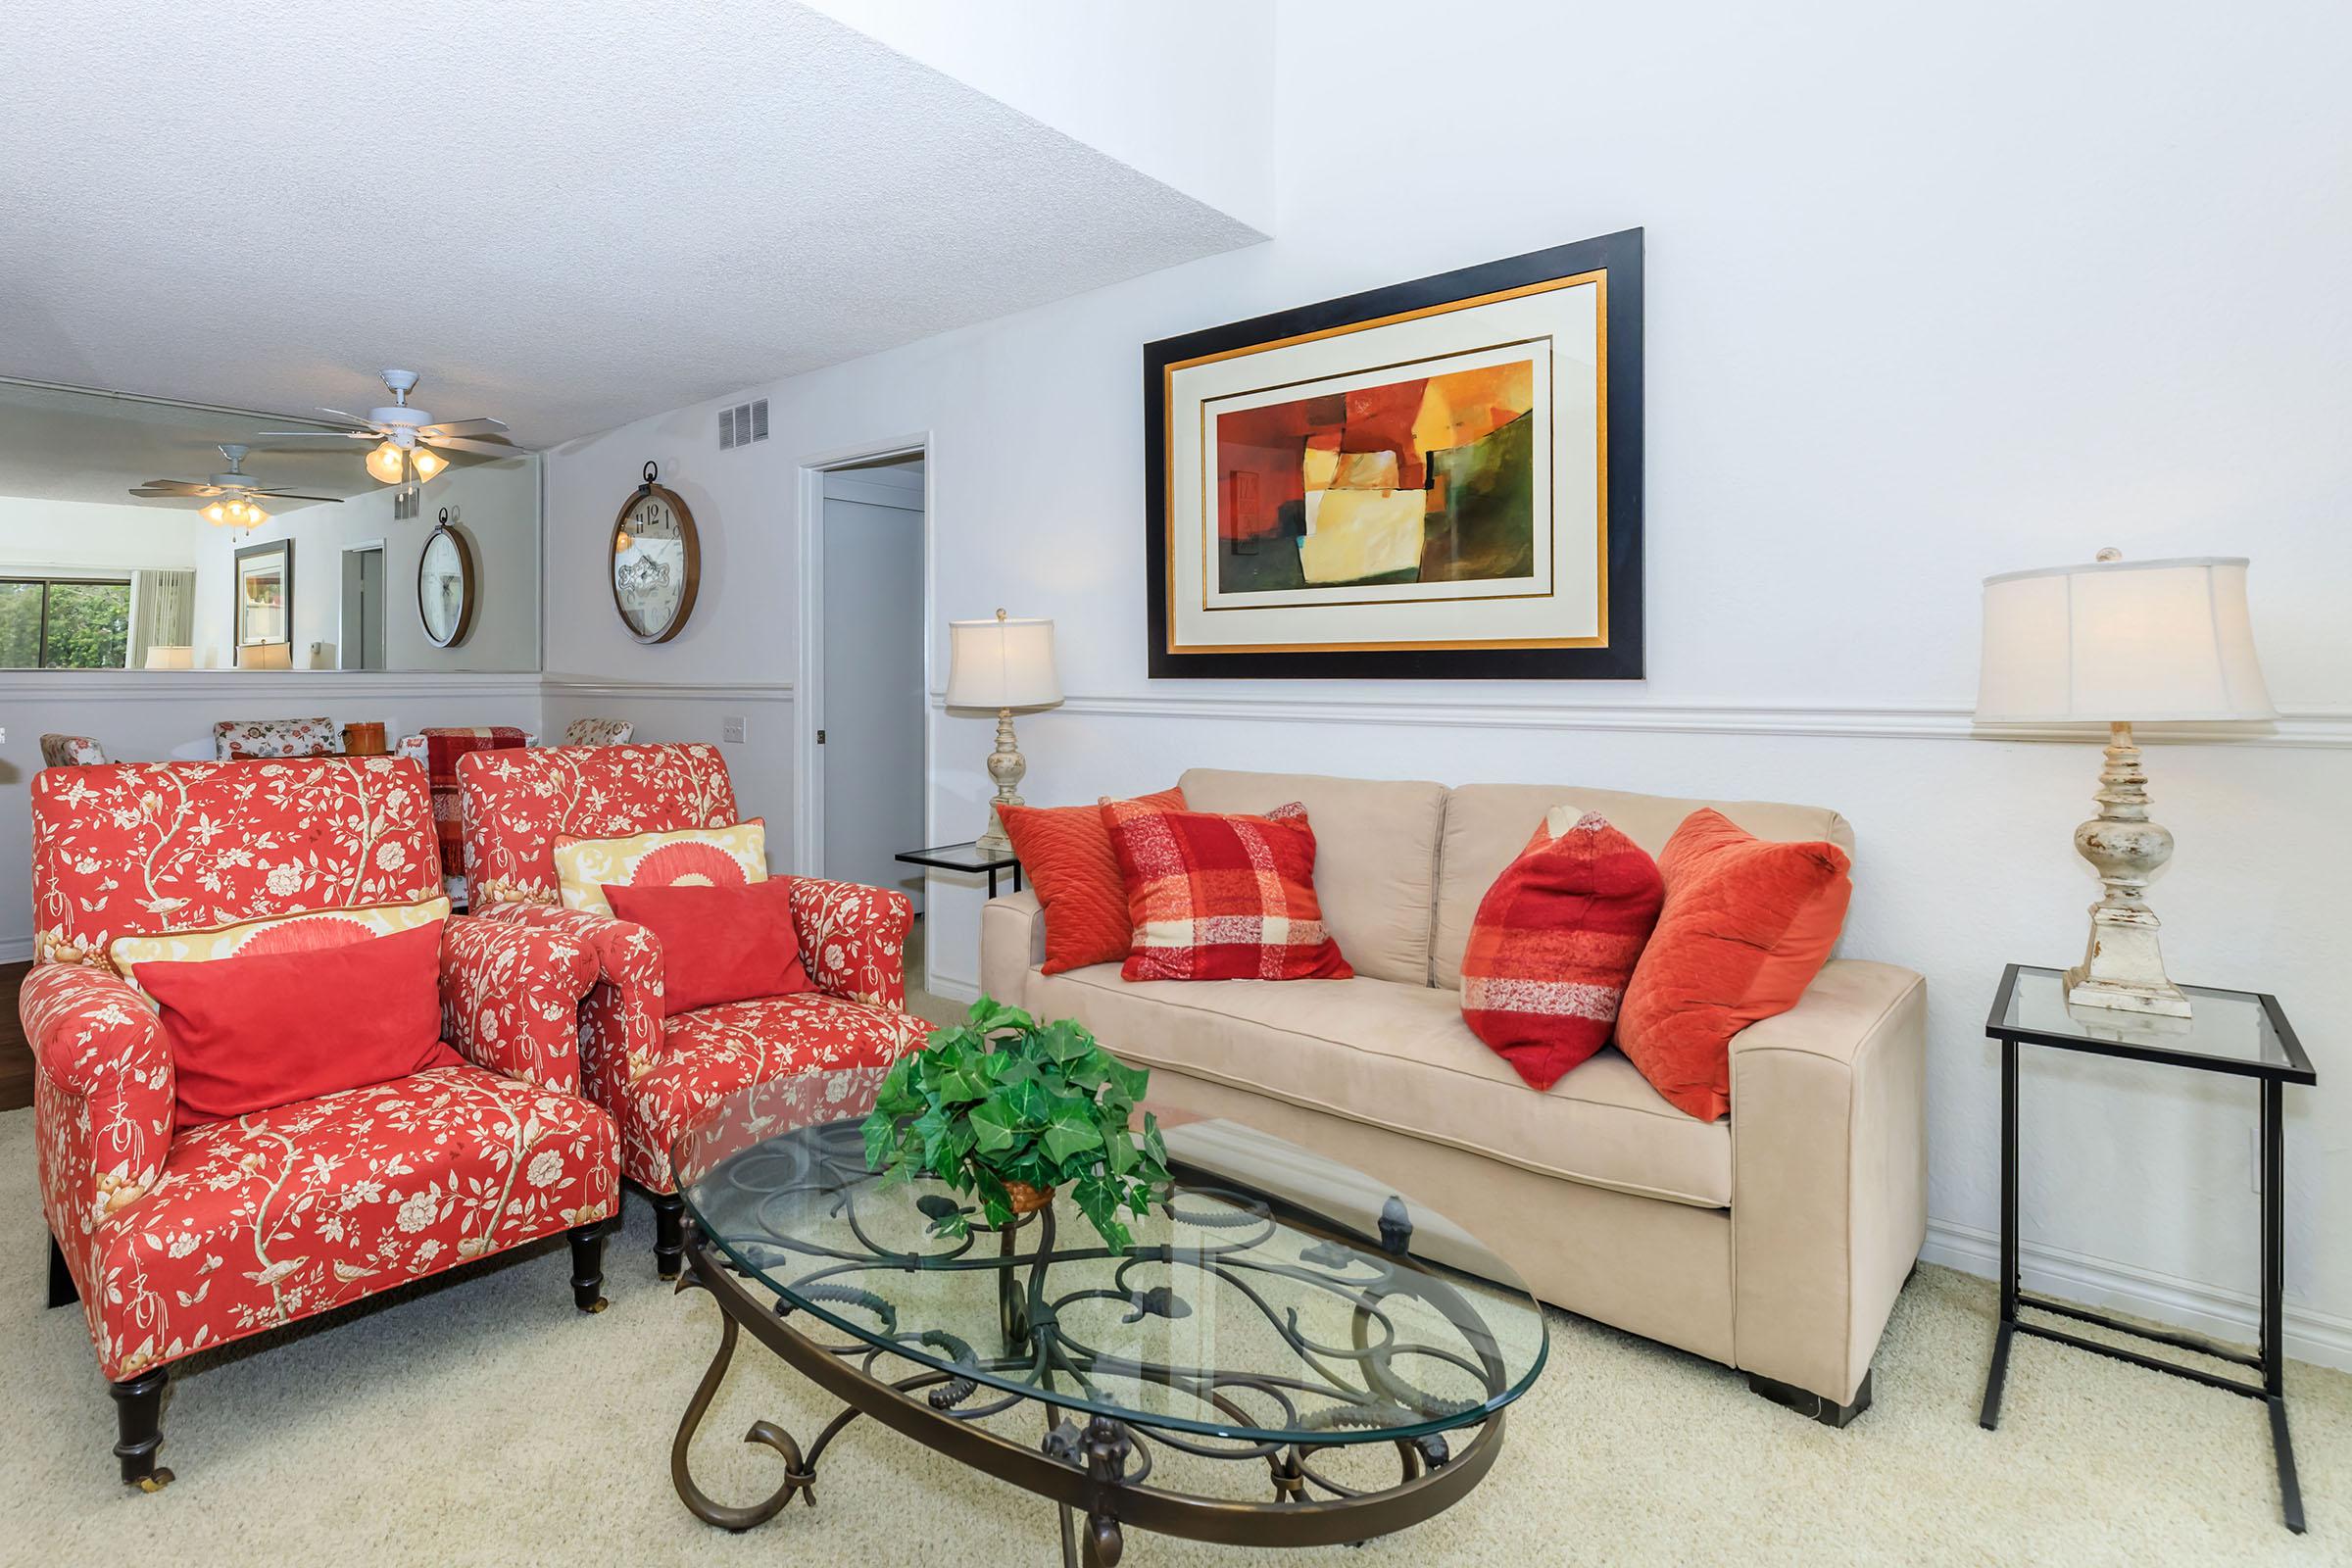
(966, 856)
(2240, 1033)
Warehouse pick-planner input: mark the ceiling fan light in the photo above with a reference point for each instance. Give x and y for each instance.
(429, 463)
(215, 513)
(388, 463)
(254, 517)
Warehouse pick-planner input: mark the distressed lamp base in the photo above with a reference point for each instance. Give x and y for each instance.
(1005, 765)
(2123, 966)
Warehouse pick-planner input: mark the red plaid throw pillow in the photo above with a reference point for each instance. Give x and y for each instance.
(1555, 941)
(1221, 898)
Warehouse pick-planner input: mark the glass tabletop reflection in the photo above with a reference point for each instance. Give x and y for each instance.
(1271, 1295)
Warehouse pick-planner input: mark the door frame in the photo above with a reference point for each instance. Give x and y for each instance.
(808, 681)
(342, 563)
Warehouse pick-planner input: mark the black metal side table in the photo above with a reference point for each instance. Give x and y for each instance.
(966, 856)
(2241, 1033)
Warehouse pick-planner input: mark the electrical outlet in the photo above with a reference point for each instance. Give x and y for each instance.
(731, 729)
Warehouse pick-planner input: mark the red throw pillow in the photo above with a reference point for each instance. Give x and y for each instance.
(1221, 898)
(718, 944)
(1065, 852)
(1747, 924)
(1554, 942)
(252, 1034)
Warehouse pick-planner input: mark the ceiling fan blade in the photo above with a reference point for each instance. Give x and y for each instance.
(293, 495)
(348, 419)
(461, 428)
(486, 449)
(340, 435)
(175, 487)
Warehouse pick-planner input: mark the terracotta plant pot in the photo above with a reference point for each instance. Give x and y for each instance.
(1028, 1200)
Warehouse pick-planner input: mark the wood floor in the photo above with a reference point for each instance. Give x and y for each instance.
(16, 1057)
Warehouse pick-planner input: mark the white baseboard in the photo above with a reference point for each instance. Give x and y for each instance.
(16, 950)
(954, 990)
(2321, 1338)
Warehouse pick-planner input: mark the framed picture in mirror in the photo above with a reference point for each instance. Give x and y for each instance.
(445, 586)
(263, 616)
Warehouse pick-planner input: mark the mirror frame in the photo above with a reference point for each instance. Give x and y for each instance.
(236, 604)
(465, 584)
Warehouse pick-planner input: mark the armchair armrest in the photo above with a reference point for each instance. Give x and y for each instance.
(511, 999)
(853, 938)
(1829, 1173)
(620, 1018)
(1012, 941)
(104, 1091)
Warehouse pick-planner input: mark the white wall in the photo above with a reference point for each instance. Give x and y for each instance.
(497, 507)
(1184, 93)
(1928, 298)
(94, 535)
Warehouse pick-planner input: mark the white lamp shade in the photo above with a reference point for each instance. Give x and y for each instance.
(2120, 641)
(1001, 663)
(166, 655)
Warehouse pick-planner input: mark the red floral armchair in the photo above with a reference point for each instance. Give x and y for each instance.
(176, 1241)
(657, 1072)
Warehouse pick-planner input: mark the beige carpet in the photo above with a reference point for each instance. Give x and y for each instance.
(480, 1419)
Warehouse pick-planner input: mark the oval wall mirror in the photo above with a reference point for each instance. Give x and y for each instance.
(445, 586)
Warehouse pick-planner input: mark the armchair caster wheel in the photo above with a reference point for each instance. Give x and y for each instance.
(591, 1308)
(156, 1481)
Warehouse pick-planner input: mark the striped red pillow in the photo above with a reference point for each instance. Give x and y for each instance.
(1555, 941)
(1221, 898)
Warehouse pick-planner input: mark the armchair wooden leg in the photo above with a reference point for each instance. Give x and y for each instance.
(139, 1426)
(62, 1290)
(588, 1265)
(670, 1234)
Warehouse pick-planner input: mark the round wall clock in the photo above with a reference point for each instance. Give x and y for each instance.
(445, 586)
(657, 563)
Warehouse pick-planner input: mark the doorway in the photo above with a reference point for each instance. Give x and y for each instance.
(869, 709)
(359, 631)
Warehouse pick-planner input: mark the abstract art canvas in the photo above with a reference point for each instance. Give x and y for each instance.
(1436, 479)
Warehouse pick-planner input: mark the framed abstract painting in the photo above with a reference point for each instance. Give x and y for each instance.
(1441, 479)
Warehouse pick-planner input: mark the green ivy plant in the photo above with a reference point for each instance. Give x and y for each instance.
(1002, 1098)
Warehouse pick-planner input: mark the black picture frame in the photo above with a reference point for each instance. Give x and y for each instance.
(236, 609)
(1621, 659)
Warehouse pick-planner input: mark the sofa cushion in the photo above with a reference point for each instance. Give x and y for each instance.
(1488, 824)
(1398, 1054)
(1376, 857)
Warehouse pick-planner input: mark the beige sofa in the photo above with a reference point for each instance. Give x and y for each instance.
(1774, 1240)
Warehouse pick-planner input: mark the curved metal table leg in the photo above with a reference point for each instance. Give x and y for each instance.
(800, 1474)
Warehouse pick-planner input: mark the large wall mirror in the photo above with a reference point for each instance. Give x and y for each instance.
(322, 573)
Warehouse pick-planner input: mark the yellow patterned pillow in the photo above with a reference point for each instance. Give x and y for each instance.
(281, 933)
(694, 857)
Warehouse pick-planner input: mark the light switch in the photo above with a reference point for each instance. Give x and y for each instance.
(731, 729)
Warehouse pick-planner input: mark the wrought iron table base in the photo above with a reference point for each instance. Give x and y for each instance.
(1095, 1473)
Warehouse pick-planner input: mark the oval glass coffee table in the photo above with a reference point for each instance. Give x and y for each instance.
(1278, 1311)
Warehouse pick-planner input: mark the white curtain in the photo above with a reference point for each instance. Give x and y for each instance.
(163, 613)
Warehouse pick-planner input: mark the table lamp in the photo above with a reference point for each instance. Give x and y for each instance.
(169, 656)
(2122, 642)
(1001, 665)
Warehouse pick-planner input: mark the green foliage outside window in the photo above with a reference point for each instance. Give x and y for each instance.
(87, 625)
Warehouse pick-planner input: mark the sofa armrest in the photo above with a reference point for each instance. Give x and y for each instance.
(1012, 941)
(621, 1016)
(1829, 1174)
(511, 999)
(853, 938)
(104, 1091)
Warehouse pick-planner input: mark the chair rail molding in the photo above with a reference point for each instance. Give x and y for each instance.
(2296, 727)
(328, 688)
(609, 686)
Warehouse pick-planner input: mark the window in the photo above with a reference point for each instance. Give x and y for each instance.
(64, 622)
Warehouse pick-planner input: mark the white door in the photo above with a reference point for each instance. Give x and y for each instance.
(872, 708)
(362, 632)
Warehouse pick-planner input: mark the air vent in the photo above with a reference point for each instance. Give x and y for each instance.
(741, 424)
(726, 429)
(407, 502)
(759, 421)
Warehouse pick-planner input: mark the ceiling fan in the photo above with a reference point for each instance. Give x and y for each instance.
(407, 436)
(236, 496)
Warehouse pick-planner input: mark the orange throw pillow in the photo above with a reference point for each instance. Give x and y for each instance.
(1065, 852)
(1747, 924)
(1555, 941)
